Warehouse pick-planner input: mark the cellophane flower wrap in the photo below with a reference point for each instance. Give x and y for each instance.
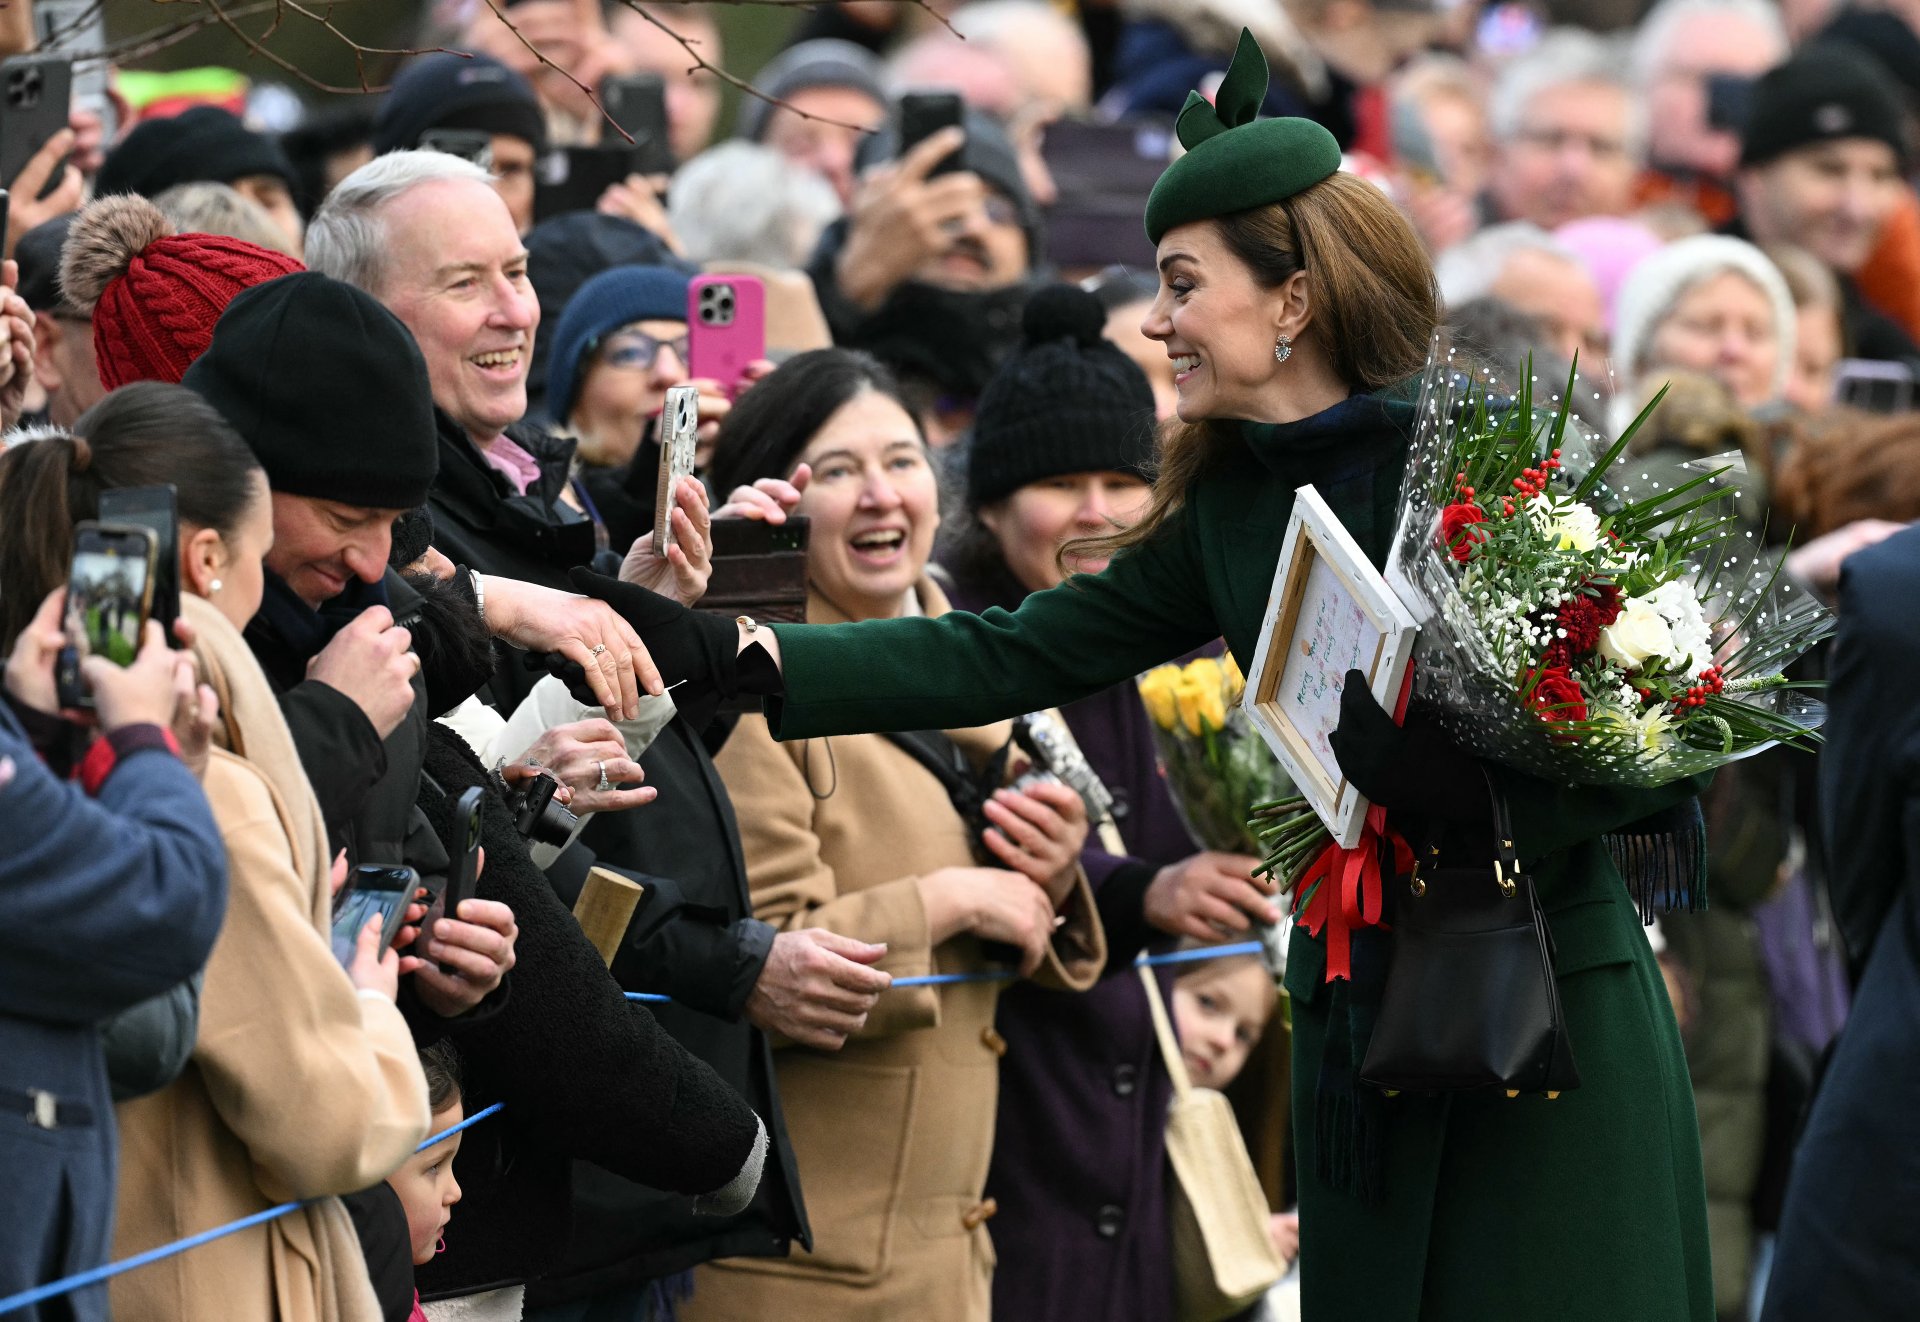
(1581, 619)
(1218, 769)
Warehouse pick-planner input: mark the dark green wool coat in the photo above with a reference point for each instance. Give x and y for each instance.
(1590, 1208)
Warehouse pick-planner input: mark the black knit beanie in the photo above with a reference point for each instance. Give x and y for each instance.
(1065, 401)
(451, 91)
(1827, 91)
(205, 144)
(328, 390)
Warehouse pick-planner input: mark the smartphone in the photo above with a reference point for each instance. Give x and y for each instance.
(35, 96)
(1876, 387)
(679, 442)
(374, 888)
(474, 145)
(573, 178)
(726, 328)
(151, 507)
(637, 102)
(109, 594)
(759, 569)
(465, 875)
(923, 114)
(6, 215)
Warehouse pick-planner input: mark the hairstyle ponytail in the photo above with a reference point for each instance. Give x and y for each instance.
(144, 434)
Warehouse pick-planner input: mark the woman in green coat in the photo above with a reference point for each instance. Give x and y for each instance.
(1293, 300)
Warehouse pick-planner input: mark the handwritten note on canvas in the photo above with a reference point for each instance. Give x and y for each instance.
(1331, 636)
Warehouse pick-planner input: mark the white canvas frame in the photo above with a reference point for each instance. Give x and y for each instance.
(1373, 629)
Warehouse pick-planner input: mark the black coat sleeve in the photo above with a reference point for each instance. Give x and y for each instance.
(1870, 768)
(340, 750)
(585, 1072)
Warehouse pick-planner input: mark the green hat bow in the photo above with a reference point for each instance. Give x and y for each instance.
(1235, 160)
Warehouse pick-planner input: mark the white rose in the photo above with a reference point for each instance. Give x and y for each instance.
(1639, 633)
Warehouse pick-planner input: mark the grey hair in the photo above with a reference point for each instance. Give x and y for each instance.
(996, 22)
(1469, 270)
(204, 207)
(1657, 29)
(742, 202)
(347, 239)
(1565, 57)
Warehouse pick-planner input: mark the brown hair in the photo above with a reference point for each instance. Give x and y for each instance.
(1375, 306)
(441, 1065)
(143, 434)
(1841, 465)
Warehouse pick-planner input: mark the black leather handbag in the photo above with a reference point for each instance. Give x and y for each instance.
(1470, 999)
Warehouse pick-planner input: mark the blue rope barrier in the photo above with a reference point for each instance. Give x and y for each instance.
(80, 1280)
(1003, 975)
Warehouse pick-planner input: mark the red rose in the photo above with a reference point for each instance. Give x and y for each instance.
(1456, 521)
(1557, 697)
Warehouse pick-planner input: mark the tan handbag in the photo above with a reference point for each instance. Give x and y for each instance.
(1223, 1257)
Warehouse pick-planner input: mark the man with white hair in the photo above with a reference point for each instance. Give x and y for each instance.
(1568, 131)
(1521, 265)
(1694, 62)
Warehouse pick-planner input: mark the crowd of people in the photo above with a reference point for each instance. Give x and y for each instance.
(410, 409)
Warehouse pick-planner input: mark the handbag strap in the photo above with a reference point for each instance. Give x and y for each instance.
(1506, 858)
(1163, 1030)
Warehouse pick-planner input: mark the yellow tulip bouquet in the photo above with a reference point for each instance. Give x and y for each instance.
(1218, 769)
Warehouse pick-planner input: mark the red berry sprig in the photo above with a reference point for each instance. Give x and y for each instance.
(1533, 481)
(1711, 684)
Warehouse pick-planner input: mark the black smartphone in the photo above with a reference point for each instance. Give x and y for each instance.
(573, 178)
(637, 102)
(374, 888)
(1729, 101)
(109, 594)
(466, 864)
(36, 92)
(1875, 387)
(6, 216)
(474, 145)
(152, 507)
(923, 114)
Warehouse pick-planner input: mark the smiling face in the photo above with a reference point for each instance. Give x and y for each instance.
(624, 387)
(1033, 523)
(1220, 1013)
(1832, 198)
(427, 1188)
(874, 504)
(319, 546)
(1723, 326)
(456, 275)
(1216, 324)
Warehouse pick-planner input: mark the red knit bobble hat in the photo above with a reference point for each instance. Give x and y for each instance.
(154, 294)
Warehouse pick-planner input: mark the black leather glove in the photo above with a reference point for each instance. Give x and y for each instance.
(1413, 768)
(696, 651)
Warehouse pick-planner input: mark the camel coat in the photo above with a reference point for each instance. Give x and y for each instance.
(893, 1133)
(298, 1087)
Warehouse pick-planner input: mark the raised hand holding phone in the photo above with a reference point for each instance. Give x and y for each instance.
(679, 442)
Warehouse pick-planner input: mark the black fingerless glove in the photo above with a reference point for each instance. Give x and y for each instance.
(698, 652)
(1412, 768)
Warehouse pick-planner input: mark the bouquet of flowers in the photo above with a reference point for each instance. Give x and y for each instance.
(1217, 767)
(1580, 620)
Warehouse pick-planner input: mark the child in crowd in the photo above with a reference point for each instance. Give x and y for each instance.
(425, 1183)
(1220, 1009)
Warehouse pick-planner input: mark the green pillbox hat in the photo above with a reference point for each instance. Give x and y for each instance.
(1235, 161)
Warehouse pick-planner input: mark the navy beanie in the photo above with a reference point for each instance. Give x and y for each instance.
(202, 145)
(1825, 92)
(327, 388)
(1068, 400)
(605, 303)
(448, 91)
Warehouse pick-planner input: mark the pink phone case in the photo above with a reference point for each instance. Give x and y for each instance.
(726, 327)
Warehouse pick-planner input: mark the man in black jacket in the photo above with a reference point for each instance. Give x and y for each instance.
(423, 233)
(1849, 1241)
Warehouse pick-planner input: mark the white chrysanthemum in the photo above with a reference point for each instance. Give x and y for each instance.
(1679, 606)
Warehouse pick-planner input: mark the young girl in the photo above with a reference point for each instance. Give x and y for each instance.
(1220, 1009)
(425, 1183)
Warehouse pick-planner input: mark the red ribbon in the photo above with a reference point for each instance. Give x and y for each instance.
(1344, 887)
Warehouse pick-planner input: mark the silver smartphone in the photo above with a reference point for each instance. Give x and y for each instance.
(679, 436)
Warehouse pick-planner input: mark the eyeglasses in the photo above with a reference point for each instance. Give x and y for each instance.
(635, 350)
